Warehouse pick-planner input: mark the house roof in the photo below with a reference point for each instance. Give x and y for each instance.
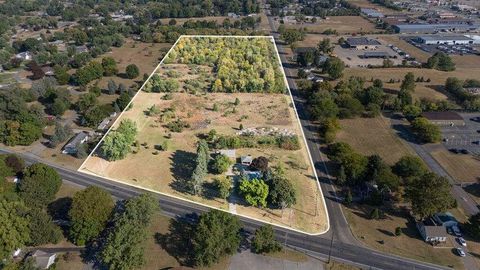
(442, 115)
(435, 231)
(445, 217)
(359, 41)
(76, 140)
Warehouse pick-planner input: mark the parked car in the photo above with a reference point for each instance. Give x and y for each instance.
(461, 241)
(464, 151)
(453, 150)
(475, 119)
(460, 252)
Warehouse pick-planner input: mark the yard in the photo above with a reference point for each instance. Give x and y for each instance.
(371, 136)
(163, 171)
(380, 235)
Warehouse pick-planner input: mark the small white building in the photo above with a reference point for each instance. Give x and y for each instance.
(72, 146)
(25, 56)
(246, 160)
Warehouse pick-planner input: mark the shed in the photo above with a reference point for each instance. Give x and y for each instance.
(431, 233)
(43, 260)
(103, 124)
(72, 146)
(246, 160)
(447, 118)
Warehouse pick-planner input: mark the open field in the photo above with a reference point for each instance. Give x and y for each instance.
(464, 168)
(423, 90)
(342, 24)
(164, 171)
(380, 235)
(371, 136)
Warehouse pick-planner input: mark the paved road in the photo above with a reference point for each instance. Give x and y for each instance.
(318, 246)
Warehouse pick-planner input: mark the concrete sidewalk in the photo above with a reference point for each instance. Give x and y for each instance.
(249, 261)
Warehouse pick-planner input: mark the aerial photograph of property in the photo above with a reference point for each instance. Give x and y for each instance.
(240, 134)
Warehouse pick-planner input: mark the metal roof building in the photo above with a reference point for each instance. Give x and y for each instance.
(372, 13)
(362, 43)
(433, 28)
(376, 55)
(445, 39)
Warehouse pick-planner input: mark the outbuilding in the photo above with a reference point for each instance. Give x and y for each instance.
(246, 160)
(448, 118)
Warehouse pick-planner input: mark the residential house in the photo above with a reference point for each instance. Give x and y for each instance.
(43, 260)
(72, 146)
(432, 234)
(81, 49)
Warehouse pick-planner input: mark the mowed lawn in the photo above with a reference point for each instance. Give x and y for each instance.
(464, 168)
(380, 235)
(371, 136)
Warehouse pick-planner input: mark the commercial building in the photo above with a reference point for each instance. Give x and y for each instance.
(362, 43)
(434, 28)
(372, 13)
(444, 39)
(444, 118)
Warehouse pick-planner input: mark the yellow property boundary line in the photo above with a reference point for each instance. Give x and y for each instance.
(205, 205)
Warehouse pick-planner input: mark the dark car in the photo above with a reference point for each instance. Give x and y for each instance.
(475, 119)
(453, 150)
(478, 130)
(464, 151)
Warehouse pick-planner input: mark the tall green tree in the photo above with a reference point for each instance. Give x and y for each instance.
(429, 194)
(264, 240)
(125, 244)
(42, 229)
(425, 131)
(216, 235)
(116, 144)
(91, 208)
(13, 227)
(408, 83)
(334, 67)
(281, 192)
(254, 191)
(109, 66)
(409, 166)
(132, 71)
(39, 185)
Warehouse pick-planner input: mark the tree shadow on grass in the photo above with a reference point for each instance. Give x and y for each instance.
(178, 241)
(182, 166)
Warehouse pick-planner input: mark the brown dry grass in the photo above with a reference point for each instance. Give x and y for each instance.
(420, 55)
(463, 168)
(260, 110)
(340, 266)
(373, 136)
(408, 244)
(343, 25)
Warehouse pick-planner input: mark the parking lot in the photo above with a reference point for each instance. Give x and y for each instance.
(463, 137)
(353, 57)
(458, 49)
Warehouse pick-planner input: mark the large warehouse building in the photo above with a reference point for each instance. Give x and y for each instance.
(433, 28)
(444, 39)
(362, 43)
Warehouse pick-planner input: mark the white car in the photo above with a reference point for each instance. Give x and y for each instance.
(462, 241)
(460, 252)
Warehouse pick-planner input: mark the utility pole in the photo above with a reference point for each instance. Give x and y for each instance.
(330, 250)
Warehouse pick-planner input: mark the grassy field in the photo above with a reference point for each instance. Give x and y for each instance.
(379, 234)
(163, 171)
(342, 24)
(373, 136)
(463, 168)
(339, 266)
